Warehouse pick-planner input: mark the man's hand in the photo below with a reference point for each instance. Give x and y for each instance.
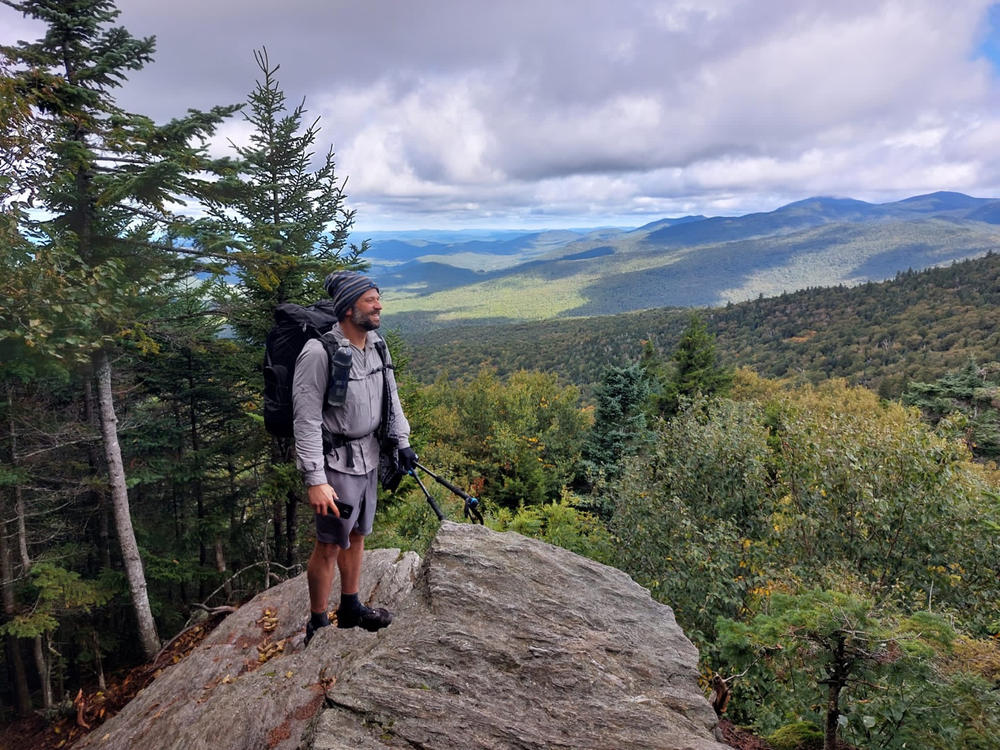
(321, 497)
(407, 459)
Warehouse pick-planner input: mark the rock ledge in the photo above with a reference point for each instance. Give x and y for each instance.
(499, 641)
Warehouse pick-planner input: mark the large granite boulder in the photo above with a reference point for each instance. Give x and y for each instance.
(499, 641)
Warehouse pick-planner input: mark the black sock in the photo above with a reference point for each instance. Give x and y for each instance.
(349, 603)
(319, 619)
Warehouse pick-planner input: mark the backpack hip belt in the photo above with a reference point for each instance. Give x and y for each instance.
(334, 440)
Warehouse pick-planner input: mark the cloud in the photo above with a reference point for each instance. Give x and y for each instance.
(574, 112)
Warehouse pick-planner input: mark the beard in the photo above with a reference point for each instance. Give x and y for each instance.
(365, 321)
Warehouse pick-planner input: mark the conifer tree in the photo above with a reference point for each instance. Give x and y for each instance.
(110, 178)
(286, 218)
(288, 223)
(618, 432)
(970, 398)
(696, 368)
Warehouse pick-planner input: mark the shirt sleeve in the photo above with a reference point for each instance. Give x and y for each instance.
(308, 397)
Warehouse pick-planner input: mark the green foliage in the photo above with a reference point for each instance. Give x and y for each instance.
(561, 523)
(515, 442)
(802, 735)
(964, 403)
(867, 483)
(58, 592)
(692, 514)
(787, 511)
(900, 679)
(696, 371)
(287, 221)
(619, 422)
(109, 177)
(407, 522)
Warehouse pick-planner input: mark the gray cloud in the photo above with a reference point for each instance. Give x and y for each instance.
(575, 112)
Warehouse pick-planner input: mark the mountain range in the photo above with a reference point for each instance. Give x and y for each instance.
(675, 262)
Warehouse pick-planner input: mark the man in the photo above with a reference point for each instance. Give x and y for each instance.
(342, 475)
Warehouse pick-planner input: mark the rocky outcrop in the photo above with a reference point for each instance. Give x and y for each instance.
(499, 641)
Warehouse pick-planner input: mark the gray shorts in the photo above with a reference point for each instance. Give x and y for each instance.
(359, 492)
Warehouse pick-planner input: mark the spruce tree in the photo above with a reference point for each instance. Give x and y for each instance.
(288, 224)
(969, 398)
(286, 218)
(109, 180)
(697, 371)
(618, 432)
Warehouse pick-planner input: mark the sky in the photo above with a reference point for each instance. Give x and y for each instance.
(462, 114)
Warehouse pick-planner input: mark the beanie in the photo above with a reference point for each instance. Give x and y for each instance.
(345, 287)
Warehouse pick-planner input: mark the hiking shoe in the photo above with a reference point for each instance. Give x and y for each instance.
(311, 630)
(364, 618)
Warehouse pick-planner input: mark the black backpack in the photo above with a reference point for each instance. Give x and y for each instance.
(294, 325)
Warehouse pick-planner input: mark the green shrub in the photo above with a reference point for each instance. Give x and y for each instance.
(802, 735)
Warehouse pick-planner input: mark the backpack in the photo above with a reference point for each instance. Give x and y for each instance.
(294, 325)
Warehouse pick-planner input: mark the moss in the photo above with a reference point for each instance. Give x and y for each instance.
(802, 735)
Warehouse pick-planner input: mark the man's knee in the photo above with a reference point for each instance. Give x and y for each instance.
(326, 550)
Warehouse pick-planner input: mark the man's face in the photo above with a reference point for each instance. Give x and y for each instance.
(366, 312)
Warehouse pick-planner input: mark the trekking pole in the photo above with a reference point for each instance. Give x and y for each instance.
(430, 498)
(471, 509)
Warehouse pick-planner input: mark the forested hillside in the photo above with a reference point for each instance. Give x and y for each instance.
(696, 261)
(880, 335)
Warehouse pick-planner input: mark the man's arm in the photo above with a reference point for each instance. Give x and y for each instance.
(308, 398)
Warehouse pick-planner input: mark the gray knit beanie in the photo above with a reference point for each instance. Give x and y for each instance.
(345, 287)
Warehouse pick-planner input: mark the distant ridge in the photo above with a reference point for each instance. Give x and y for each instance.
(687, 261)
(916, 326)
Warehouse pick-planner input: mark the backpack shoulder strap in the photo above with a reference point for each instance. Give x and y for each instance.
(383, 352)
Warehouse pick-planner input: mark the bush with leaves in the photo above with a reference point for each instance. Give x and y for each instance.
(692, 516)
(872, 677)
(784, 490)
(562, 523)
(866, 484)
(513, 442)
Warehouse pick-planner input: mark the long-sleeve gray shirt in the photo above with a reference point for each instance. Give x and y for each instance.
(357, 418)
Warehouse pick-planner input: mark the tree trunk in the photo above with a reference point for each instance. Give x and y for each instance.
(291, 526)
(832, 717)
(22, 529)
(199, 492)
(120, 507)
(838, 673)
(277, 513)
(220, 567)
(42, 664)
(99, 498)
(22, 695)
(99, 663)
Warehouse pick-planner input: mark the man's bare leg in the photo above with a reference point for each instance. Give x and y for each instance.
(352, 612)
(319, 574)
(349, 562)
